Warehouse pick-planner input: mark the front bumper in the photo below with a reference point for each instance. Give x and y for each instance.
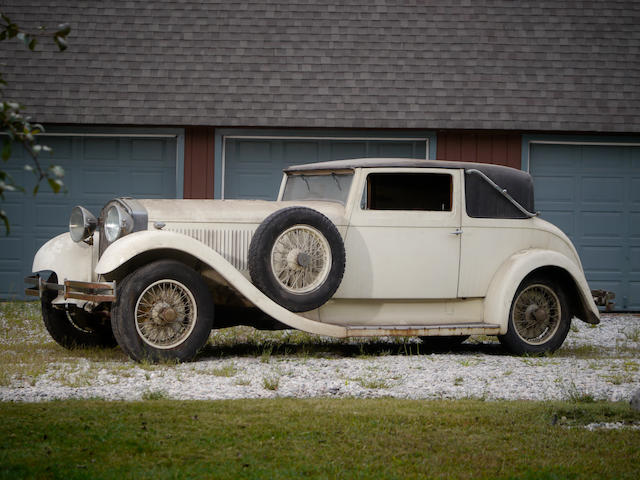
(96, 292)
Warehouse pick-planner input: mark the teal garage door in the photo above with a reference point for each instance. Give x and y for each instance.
(592, 192)
(96, 170)
(253, 166)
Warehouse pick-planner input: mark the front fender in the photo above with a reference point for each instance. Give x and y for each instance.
(130, 246)
(507, 279)
(68, 259)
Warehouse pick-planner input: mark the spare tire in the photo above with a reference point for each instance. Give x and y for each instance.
(297, 258)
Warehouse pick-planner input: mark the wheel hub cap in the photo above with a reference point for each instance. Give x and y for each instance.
(165, 314)
(535, 314)
(301, 259)
(304, 259)
(168, 315)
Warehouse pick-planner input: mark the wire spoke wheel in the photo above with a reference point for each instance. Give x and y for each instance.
(297, 258)
(536, 314)
(165, 314)
(301, 259)
(73, 327)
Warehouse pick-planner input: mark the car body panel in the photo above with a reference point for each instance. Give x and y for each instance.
(402, 254)
(488, 243)
(511, 273)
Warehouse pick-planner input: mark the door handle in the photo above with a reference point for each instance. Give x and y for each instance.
(457, 231)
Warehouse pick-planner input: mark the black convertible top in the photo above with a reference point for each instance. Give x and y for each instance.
(482, 199)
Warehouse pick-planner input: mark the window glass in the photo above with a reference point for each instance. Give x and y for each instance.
(409, 191)
(332, 187)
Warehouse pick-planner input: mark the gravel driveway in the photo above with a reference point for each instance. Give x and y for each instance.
(601, 362)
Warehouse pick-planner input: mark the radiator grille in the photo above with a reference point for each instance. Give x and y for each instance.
(233, 245)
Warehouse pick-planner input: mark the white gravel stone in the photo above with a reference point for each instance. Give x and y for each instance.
(611, 372)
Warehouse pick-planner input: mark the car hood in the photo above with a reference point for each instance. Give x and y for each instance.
(231, 211)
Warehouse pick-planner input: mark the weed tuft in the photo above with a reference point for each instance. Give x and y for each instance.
(633, 335)
(372, 383)
(575, 395)
(271, 382)
(225, 371)
(154, 395)
(265, 357)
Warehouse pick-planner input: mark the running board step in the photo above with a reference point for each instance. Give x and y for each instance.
(478, 328)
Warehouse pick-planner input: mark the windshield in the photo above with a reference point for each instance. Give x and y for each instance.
(330, 186)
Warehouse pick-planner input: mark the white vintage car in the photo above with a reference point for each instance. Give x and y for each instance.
(351, 248)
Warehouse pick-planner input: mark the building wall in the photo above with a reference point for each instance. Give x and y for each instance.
(199, 163)
(497, 148)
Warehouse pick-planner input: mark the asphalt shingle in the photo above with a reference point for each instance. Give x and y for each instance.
(538, 65)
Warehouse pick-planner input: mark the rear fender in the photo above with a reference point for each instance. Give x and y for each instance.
(509, 276)
(126, 249)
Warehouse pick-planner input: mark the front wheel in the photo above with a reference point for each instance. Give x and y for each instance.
(539, 318)
(73, 327)
(163, 311)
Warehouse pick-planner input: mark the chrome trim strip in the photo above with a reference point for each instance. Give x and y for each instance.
(503, 192)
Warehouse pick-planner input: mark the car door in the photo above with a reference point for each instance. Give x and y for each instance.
(403, 239)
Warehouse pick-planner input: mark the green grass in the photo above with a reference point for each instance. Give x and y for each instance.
(317, 438)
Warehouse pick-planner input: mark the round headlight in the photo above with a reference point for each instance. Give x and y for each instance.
(113, 224)
(82, 224)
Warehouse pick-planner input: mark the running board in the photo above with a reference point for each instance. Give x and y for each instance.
(423, 331)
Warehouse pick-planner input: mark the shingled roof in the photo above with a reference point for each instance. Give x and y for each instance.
(554, 65)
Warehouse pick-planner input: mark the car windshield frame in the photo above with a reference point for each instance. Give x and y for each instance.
(324, 186)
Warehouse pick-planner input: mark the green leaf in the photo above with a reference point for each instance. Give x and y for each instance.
(32, 43)
(7, 187)
(55, 185)
(6, 150)
(5, 219)
(35, 189)
(63, 30)
(61, 43)
(25, 38)
(28, 168)
(12, 30)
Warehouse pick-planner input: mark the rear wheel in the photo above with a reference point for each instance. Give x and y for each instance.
(163, 311)
(75, 328)
(539, 318)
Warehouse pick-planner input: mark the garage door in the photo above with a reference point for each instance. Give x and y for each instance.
(592, 192)
(253, 166)
(96, 170)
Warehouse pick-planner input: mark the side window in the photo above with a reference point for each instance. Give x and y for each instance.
(409, 191)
